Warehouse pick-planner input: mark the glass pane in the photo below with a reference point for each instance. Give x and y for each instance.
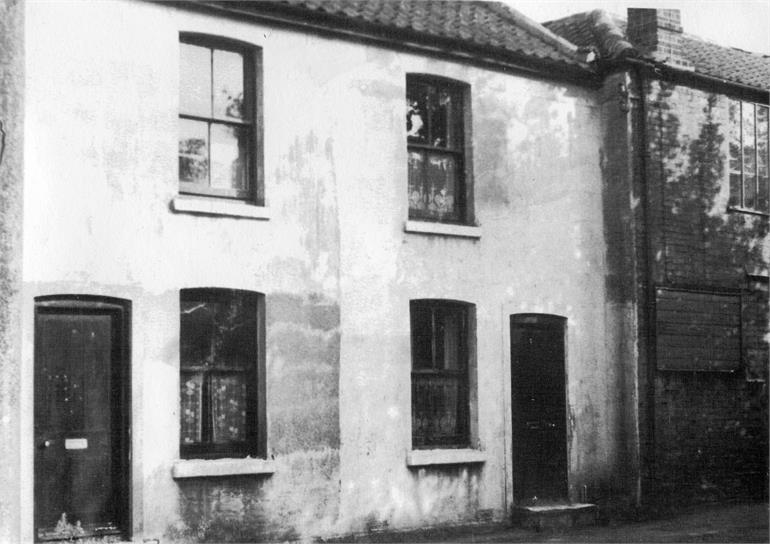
(193, 151)
(218, 333)
(191, 385)
(228, 156)
(735, 189)
(448, 339)
(236, 323)
(735, 136)
(763, 160)
(442, 187)
(417, 201)
(228, 85)
(228, 408)
(195, 80)
(198, 333)
(443, 120)
(439, 411)
(762, 195)
(416, 113)
(422, 337)
(749, 157)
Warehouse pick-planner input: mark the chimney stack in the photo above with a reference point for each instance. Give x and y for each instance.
(657, 34)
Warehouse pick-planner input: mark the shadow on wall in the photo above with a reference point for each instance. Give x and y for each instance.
(710, 438)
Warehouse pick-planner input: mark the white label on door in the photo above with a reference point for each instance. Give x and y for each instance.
(75, 443)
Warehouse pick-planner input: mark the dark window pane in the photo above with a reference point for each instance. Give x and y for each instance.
(445, 120)
(735, 190)
(237, 326)
(439, 411)
(763, 159)
(417, 195)
(448, 339)
(228, 85)
(435, 121)
(198, 333)
(762, 195)
(736, 159)
(422, 337)
(193, 151)
(442, 187)
(218, 350)
(228, 408)
(219, 334)
(416, 114)
(735, 156)
(228, 156)
(195, 80)
(749, 157)
(191, 404)
(439, 377)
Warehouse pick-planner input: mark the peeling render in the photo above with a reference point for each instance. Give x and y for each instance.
(11, 182)
(335, 266)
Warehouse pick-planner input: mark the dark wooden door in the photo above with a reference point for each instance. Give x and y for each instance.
(538, 389)
(81, 423)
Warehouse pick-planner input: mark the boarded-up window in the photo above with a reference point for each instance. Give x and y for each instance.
(698, 331)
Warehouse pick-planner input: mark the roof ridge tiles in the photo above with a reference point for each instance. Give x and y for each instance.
(607, 33)
(531, 26)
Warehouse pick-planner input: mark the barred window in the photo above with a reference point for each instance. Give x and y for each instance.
(749, 158)
(440, 377)
(219, 369)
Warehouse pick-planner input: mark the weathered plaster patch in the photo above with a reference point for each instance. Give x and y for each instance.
(299, 500)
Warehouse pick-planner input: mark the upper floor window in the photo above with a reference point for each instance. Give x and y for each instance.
(749, 159)
(221, 360)
(440, 373)
(219, 113)
(437, 123)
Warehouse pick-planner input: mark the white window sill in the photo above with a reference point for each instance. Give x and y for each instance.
(219, 206)
(421, 458)
(199, 468)
(445, 229)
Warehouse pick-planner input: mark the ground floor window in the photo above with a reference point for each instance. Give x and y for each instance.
(220, 345)
(440, 377)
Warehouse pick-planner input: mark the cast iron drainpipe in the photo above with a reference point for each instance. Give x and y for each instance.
(641, 121)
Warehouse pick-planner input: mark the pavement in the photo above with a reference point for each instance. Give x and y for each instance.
(747, 522)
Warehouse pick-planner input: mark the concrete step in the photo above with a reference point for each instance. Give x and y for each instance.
(555, 517)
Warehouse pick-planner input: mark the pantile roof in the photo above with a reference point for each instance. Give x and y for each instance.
(474, 27)
(607, 34)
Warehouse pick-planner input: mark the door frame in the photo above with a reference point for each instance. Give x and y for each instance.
(121, 309)
(508, 310)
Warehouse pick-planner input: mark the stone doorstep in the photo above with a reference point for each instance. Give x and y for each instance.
(555, 516)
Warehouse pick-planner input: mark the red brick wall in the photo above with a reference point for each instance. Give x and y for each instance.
(703, 433)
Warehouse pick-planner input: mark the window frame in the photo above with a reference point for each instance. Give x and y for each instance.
(462, 153)
(464, 374)
(253, 98)
(737, 202)
(254, 445)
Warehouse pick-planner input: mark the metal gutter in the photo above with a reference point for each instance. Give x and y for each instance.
(695, 79)
(402, 39)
